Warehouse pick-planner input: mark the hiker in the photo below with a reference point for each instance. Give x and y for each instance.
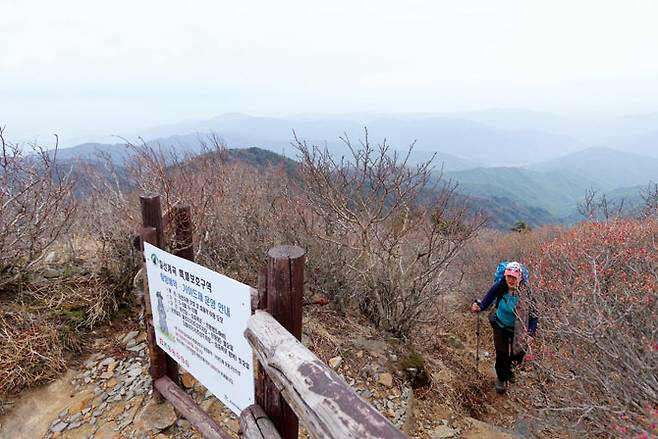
(514, 322)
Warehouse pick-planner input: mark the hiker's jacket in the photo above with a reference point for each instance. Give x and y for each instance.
(501, 290)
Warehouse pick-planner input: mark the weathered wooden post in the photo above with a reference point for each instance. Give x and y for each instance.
(160, 363)
(281, 292)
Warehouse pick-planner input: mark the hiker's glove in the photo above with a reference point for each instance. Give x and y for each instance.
(475, 307)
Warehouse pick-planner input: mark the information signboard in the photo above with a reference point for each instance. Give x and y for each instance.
(200, 317)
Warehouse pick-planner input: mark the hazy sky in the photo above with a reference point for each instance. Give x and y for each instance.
(82, 68)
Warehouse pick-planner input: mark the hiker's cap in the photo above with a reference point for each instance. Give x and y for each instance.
(513, 269)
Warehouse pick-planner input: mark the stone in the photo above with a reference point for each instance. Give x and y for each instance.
(455, 342)
(74, 425)
(443, 432)
(187, 380)
(359, 354)
(107, 431)
(335, 362)
(60, 426)
(129, 336)
(79, 406)
(106, 375)
(134, 372)
(107, 361)
(137, 348)
(155, 417)
(386, 379)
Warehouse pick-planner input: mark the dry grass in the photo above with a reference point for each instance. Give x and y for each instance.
(31, 352)
(44, 318)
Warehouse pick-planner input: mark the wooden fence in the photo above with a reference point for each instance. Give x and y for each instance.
(291, 384)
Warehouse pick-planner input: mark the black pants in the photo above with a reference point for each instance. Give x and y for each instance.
(505, 360)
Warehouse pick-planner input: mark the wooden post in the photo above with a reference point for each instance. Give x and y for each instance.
(157, 357)
(254, 424)
(161, 363)
(283, 285)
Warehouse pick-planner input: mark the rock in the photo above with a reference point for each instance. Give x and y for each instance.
(455, 343)
(443, 432)
(386, 379)
(187, 380)
(112, 384)
(50, 258)
(106, 375)
(137, 348)
(74, 425)
(107, 431)
(155, 417)
(50, 273)
(135, 371)
(359, 354)
(58, 427)
(335, 362)
(107, 361)
(79, 406)
(129, 336)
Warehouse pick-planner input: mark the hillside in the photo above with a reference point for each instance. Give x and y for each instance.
(556, 193)
(605, 168)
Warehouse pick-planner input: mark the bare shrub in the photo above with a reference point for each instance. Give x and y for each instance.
(395, 227)
(238, 211)
(36, 207)
(650, 198)
(596, 289)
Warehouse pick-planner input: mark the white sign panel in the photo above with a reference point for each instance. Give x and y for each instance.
(200, 317)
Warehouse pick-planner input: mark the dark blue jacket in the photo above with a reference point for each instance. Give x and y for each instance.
(498, 290)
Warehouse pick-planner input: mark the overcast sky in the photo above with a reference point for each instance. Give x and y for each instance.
(85, 68)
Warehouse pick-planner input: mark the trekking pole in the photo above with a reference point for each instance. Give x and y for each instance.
(477, 343)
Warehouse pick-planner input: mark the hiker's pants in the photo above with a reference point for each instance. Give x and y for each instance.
(505, 360)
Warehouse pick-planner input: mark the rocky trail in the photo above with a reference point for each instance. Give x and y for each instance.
(109, 394)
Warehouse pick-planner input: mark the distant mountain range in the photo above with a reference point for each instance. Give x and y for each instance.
(539, 165)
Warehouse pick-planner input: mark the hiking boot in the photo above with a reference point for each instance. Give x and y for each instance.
(500, 386)
(512, 377)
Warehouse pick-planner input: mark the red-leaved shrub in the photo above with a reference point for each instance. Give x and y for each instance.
(596, 287)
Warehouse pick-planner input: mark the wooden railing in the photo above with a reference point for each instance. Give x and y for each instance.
(292, 384)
